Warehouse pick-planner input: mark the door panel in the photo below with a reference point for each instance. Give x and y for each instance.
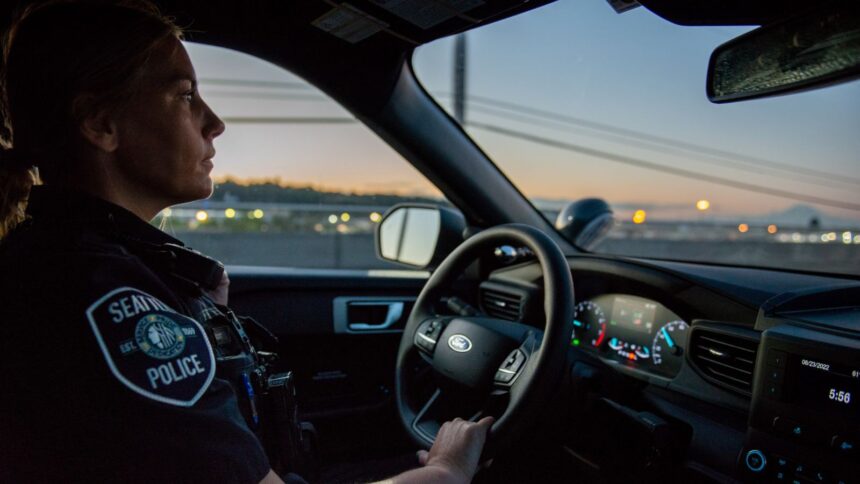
(344, 376)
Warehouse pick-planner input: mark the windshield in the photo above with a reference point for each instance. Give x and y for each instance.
(573, 100)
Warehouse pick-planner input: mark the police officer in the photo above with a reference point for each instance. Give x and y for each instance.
(119, 359)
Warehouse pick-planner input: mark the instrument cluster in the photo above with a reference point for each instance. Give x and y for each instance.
(631, 330)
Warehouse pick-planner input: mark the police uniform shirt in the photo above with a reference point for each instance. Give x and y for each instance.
(103, 373)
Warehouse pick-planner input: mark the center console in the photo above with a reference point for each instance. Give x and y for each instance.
(805, 412)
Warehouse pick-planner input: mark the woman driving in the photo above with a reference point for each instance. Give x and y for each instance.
(119, 358)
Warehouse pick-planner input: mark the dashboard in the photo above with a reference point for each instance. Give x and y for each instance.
(636, 332)
(728, 374)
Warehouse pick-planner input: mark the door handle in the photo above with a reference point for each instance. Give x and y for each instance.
(393, 314)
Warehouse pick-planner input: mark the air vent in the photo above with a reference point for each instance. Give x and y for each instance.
(499, 304)
(724, 355)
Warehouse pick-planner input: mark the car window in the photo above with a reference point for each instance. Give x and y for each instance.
(299, 181)
(573, 100)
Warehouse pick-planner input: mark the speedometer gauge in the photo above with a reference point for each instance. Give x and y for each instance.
(668, 345)
(589, 325)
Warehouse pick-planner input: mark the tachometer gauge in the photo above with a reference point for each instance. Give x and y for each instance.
(589, 325)
(668, 348)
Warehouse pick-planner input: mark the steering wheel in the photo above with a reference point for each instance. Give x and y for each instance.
(480, 365)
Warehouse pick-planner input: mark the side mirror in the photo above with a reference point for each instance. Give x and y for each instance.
(419, 236)
(585, 222)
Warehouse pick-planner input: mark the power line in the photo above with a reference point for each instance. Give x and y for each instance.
(729, 158)
(648, 139)
(659, 139)
(655, 166)
(266, 95)
(286, 120)
(253, 83)
(660, 148)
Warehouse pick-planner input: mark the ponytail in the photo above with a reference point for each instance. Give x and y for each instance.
(17, 176)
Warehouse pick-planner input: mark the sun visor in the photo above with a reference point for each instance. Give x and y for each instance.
(415, 21)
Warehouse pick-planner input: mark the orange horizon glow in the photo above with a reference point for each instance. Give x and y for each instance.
(323, 188)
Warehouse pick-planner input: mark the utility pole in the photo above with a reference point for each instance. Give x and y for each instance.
(460, 79)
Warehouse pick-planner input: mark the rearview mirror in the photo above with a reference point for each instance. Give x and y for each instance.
(419, 235)
(813, 50)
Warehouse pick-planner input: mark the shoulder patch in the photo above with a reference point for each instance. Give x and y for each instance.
(152, 349)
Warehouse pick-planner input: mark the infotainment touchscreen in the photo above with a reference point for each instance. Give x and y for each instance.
(825, 386)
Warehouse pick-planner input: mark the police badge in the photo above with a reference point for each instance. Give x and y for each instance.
(153, 350)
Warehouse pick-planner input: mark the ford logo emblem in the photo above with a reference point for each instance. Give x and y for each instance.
(460, 343)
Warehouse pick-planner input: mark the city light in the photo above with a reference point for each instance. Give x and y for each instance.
(258, 214)
(743, 228)
(167, 212)
(857, 239)
(772, 229)
(703, 205)
(229, 213)
(846, 237)
(639, 217)
(344, 216)
(831, 236)
(332, 219)
(201, 216)
(375, 217)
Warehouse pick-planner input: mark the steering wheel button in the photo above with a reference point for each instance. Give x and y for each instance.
(503, 376)
(516, 361)
(425, 342)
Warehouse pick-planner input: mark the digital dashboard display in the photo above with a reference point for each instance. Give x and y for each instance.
(637, 332)
(636, 314)
(825, 386)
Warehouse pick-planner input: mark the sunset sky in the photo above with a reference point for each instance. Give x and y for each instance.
(634, 72)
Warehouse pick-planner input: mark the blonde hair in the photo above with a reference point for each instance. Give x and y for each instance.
(62, 61)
